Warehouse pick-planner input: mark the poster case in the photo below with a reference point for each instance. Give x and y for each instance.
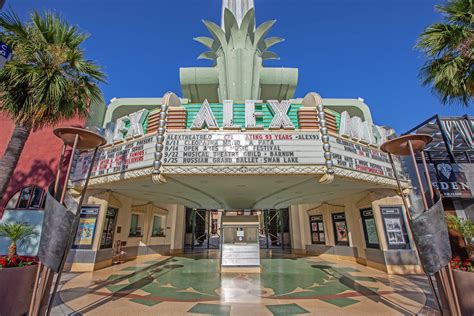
(370, 228)
(341, 233)
(394, 226)
(317, 229)
(87, 226)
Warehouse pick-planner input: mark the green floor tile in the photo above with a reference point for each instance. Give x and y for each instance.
(210, 309)
(114, 277)
(133, 268)
(286, 309)
(341, 302)
(144, 301)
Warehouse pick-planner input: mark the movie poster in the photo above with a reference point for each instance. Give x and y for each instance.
(86, 229)
(394, 231)
(341, 231)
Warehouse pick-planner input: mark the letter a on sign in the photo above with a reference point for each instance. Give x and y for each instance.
(204, 117)
(280, 118)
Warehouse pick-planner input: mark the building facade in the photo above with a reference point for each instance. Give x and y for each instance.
(450, 158)
(238, 142)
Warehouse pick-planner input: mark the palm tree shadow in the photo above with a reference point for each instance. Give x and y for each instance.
(74, 293)
(350, 283)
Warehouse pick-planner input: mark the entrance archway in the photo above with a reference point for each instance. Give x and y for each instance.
(202, 228)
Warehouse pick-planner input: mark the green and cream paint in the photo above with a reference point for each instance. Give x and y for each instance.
(239, 139)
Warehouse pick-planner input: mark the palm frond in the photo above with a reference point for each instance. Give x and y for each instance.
(458, 11)
(49, 79)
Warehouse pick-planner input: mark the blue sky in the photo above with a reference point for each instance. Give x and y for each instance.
(343, 48)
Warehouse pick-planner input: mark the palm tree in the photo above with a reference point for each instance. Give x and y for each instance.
(449, 48)
(47, 81)
(17, 233)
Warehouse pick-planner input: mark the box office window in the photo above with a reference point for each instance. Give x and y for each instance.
(394, 227)
(135, 226)
(317, 229)
(341, 234)
(370, 229)
(157, 228)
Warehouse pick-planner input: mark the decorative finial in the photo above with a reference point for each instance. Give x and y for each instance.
(238, 8)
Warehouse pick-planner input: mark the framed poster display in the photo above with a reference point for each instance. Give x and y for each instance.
(370, 228)
(394, 227)
(341, 233)
(86, 229)
(317, 229)
(109, 228)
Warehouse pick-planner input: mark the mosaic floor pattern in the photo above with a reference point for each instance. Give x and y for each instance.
(288, 285)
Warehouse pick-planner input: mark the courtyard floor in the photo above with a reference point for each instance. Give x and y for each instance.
(288, 285)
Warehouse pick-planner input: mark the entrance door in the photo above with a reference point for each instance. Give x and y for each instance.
(202, 229)
(275, 232)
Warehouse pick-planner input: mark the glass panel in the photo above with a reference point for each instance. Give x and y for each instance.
(157, 230)
(24, 197)
(36, 199)
(134, 230)
(109, 227)
(341, 231)
(240, 235)
(372, 237)
(13, 201)
(321, 237)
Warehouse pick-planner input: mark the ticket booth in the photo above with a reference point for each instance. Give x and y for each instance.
(240, 250)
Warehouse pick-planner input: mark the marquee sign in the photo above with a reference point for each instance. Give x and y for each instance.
(119, 158)
(348, 154)
(242, 148)
(235, 148)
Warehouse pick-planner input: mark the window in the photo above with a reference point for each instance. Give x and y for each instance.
(135, 228)
(370, 229)
(157, 229)
(317, 229)
(341, 233)
(25, 195)
(31, 197)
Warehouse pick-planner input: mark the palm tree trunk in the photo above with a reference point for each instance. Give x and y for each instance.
(12, 155)
(12, 250)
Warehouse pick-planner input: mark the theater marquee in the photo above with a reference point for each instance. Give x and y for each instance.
(219, 148)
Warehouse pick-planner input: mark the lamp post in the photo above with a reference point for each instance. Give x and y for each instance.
(78, 139)
(410, 145)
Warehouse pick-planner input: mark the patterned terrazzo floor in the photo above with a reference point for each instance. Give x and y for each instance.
(288, 285)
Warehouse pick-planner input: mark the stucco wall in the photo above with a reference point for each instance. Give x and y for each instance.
(39, 159)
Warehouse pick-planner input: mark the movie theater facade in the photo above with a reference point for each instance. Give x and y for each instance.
(173, 168)
(307, 172)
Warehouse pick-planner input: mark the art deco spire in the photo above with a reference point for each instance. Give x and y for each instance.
(237, 7)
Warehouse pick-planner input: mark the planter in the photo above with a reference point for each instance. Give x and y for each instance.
(464, 282)
(16, 288)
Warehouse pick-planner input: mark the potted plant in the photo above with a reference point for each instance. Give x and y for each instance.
(463, 270)
(19, 272)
